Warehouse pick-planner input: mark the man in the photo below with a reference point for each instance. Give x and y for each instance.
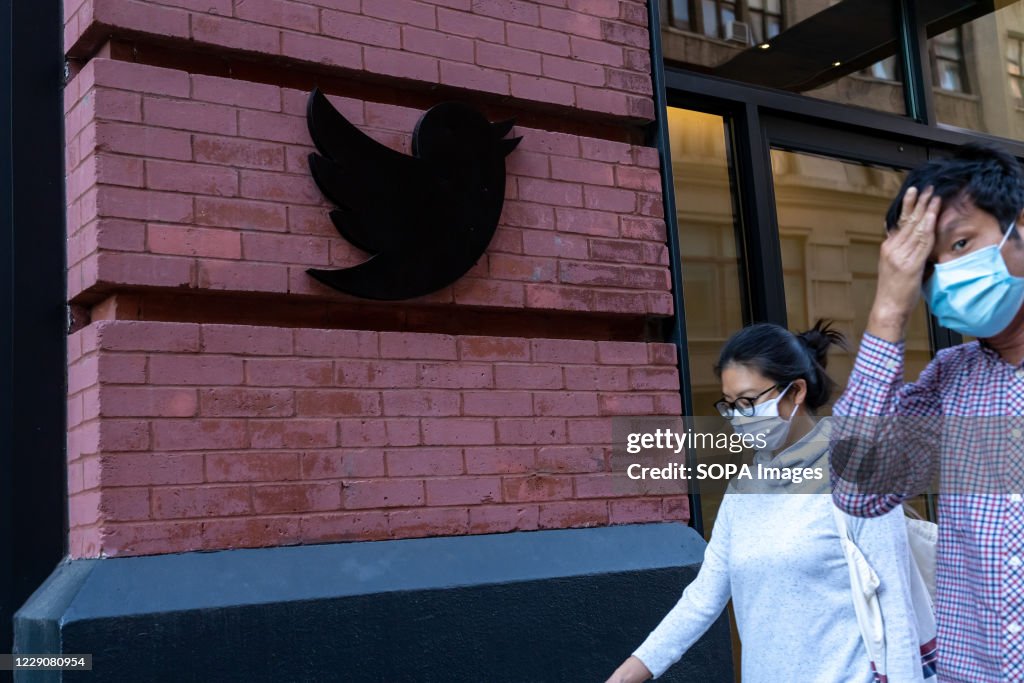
(953, 234)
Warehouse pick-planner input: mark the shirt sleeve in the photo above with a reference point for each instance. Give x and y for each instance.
(884, 440)
(700, 605)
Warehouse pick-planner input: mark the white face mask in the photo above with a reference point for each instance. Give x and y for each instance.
(766, 424)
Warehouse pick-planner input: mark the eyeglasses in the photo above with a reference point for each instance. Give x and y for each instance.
(743, 406)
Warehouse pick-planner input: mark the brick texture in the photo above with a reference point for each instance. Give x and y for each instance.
(198, 437)
(591, 55)
(190, 181)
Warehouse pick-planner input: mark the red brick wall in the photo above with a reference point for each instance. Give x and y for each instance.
(189, 194)
(190, 436)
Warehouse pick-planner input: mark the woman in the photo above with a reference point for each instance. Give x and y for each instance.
(779, 557)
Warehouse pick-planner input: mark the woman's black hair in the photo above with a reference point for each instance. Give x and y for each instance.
(783, 356)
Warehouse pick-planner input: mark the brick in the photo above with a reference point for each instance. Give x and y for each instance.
(630, 81)
(528, 377)
(634, 511)
(419, 462)
(231, 33)
(663, 354)
(279, 13)
(485, 292)
(470, 25)
(244, 339)
(240, 213)
(360, 29)
(474, 77)
(536, 488)
(494, 519)
(152, 538)
(275, 248)
(622, 353)
(567, 403)
(496, 403)
(567, 514)
(389, 374)
(362, 433)
(251, 466)
(233, 402)
(147, 402)
(288, 373)
(208, 370)
(235, 152)
(564, 351)
(608, 485)
(244, 277)
(500, 460)
(587, 222)
(518, 11)
(463, 376)
(585, 171)
(510, 59)
(571, 458)
(293, 433)
(603, 100)
(550, 192)
(493, 348)
(120, 369)
(428, 522)
(335, 403)
(457, 431)
(143, 141)
(625, 34)
(626, 404)
(267, 125)
(564, 69)
(117, 105)
(253, 532)
(635, 227)
(541, 89)
(646, 379)
(596, 378)
(125, 504)
(202, 117)
(118, 235)
(538, 40)
(383, 494)
(334, 527)
(142, 269)
(234, 92)
(151, 469)
(295, 498)
(417, 402)
(401, 64)
(325, 51)
(84, 508)
(185, 241)
(139, 78)
(402, 431)
(538, 243)
(417, 346)
(403, 12)
(342, 464)
(200, 501)
(184, 435)
(617, 251)
(110, 436)
(463, 491)
(336, 343)
(191, 178)
(518, 431)
(527, 215)
(443, 45)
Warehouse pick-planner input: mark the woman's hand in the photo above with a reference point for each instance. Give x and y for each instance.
(631, 671)
(901, 264)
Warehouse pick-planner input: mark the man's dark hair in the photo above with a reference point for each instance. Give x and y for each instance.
(988, 176)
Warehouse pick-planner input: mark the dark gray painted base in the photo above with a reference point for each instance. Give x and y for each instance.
(564, 605)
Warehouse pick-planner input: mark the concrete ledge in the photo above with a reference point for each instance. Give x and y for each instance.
(563, 605)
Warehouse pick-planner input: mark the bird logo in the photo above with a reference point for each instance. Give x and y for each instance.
(425, 219)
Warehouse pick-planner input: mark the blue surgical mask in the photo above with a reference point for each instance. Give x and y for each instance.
(975, 294)
(766, 422)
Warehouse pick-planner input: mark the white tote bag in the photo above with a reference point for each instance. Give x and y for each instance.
(922, 537)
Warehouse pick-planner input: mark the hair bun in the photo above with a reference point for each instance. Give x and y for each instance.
(820, 338)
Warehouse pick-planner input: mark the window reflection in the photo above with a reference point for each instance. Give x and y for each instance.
(977, 71)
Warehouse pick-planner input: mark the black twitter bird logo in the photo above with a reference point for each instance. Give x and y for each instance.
(426, 218)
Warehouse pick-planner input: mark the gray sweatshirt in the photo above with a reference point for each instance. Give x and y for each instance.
(779, 558)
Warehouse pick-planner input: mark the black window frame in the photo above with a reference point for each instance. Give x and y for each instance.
(760, 119)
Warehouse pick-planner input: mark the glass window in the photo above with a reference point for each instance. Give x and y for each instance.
(803, 46)
(976, 70)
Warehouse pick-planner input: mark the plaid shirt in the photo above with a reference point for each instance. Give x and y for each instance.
(980, 567)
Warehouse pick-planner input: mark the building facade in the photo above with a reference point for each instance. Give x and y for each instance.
(256, 464)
